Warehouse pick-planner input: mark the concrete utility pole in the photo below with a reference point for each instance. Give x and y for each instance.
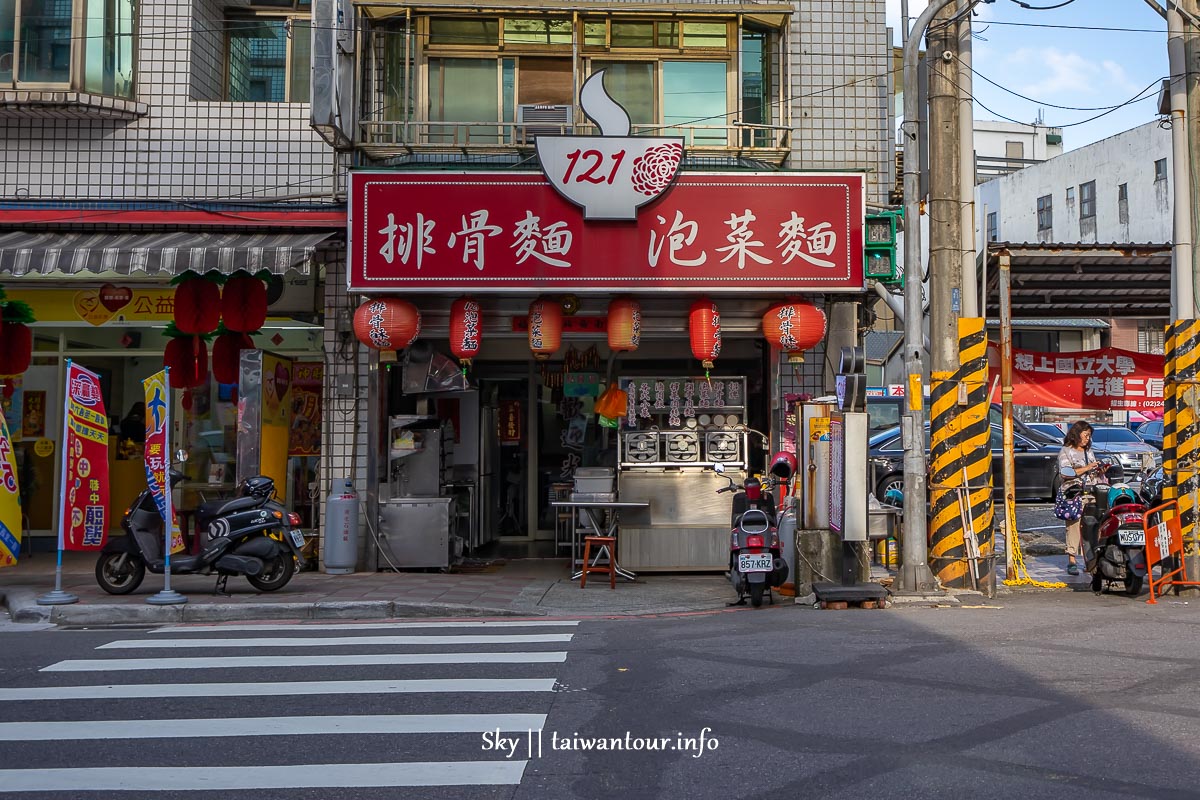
(966, 164)
(1182, 278)
(1186, 178)
(915, 575)
(945, 192)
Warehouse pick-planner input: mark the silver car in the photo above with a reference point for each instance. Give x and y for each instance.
(1126, 446)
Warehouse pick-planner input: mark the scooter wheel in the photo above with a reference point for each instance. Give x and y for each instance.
(276, 575)
(116, 579)
(756, 594)
(1133, 585)
(1097, 583)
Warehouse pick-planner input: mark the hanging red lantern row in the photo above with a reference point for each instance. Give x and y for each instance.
(466, 330)
(244, 303)
(186, 357)
(227, 356)
(197, 305)
(545, 327)
(16, 348)
(624, 325)
(794, 327)
(704, 330)
(387, 323)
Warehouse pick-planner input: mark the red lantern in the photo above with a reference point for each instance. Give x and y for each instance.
(227, 356)
(794, 327)
(466, 330)
(187, 359)
(197, 306)
(704, 327)
(387, 323)
(16, 348)
(624, 325)
(545, 327)
(244, 304)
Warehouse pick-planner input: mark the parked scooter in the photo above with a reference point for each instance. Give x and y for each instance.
(250, 535)
(756, 562)
(1114, 541)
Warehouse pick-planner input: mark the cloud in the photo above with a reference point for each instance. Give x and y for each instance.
(1066, 74)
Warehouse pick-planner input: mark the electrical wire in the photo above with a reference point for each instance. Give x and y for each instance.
(1028, 7)
(1003, 88)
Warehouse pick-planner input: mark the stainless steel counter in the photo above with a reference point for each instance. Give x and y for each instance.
(686, 527)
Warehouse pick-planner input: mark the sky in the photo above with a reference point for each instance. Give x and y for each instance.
(1076, 66)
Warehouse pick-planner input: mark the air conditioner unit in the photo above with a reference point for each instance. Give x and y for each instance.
(543, 120)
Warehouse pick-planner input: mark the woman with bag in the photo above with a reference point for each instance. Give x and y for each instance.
(1076, 454)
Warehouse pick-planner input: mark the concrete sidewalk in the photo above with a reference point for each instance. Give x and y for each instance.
(523, 587)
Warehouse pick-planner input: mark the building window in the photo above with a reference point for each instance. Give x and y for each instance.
(1070, 196)
(1045, 213)
(1014, 150)
(38, 49)
(1160, 170)
(1151, 335)
(1123, 204)
(993, 227)
(1087, 200)
(269, 59)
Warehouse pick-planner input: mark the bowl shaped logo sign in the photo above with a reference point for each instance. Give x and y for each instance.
(85, 389)
(612, 175)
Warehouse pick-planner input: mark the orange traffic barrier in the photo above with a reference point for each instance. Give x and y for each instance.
(1164, 544)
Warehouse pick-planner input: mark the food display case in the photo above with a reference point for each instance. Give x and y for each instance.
(675, 430)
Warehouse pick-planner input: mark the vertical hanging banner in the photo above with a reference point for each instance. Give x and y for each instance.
(85, 463)
(10, 501)
(158, 452)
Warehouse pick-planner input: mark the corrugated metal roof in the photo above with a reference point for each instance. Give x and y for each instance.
(879, 344)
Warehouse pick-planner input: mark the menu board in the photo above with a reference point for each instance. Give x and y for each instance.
(684, 402)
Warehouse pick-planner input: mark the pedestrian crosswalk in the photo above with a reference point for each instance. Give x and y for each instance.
(381, 707)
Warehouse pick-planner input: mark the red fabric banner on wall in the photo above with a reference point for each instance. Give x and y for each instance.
(1105, 380)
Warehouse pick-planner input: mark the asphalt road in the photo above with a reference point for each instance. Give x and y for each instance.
(1054, 694)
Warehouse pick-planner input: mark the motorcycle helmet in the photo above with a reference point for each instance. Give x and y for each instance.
(783, 465)
(259, 486)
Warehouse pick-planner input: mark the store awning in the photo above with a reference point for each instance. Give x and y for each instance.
(46, 252)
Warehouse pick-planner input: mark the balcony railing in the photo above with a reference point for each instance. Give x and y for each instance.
(383, 139)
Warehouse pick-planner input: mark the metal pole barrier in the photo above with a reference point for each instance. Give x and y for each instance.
(1006, 398)
(58, 597)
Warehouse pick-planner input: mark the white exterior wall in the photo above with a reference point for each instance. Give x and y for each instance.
(187, 146)
(1127, 158)
(992, 138)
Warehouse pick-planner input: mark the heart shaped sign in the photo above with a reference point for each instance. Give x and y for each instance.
(87, 306)
(114, 298)
(283, 378)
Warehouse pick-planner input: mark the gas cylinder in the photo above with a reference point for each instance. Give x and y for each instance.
(341, 530)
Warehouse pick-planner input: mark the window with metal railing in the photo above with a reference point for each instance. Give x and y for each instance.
(79, 45)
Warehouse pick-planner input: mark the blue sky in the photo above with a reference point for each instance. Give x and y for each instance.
(1067, 66)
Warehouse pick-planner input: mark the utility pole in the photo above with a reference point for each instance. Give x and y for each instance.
(1185, 184)
(1182, 19)
(966, 164)
(915, 575)
(945, 193)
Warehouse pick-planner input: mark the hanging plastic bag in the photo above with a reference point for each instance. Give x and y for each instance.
(612, 403)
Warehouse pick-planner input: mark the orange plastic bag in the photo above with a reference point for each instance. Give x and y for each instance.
(612, 402)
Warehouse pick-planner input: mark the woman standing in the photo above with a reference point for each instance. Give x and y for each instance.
(1077, 454)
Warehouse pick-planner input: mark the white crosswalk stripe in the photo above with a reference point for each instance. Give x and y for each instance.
(470, 680)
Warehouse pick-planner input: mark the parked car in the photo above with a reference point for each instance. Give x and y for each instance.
(1036, 463)
(1051, 429)
(1125, 446)
(883, 414)
(1151, 432)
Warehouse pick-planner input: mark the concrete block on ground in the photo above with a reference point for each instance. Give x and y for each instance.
(116, 614)
(352, 609)
(818, 559)
(22, 606)
(223, 612)
(412, 609)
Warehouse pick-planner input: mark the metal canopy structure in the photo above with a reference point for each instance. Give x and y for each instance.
(1081, 280)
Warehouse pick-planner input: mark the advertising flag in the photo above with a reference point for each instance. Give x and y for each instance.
(85, 462)
(10, 501)
(158, 452)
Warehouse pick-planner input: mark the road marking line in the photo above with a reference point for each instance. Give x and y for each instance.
(298, 776)
(361, 626)
(427, 685)
(335, 641)
(285, 662)
(88, 729)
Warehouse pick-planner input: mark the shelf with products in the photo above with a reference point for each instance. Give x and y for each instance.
(683, 421)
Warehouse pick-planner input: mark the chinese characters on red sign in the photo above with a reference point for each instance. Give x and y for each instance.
(1109, 379)
(715, 231)
(508, 423)
(85, 450)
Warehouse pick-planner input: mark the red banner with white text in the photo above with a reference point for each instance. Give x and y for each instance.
(85, 455)
(1105, 380)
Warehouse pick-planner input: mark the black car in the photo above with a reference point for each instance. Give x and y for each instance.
(1036, 463)
(1151, 432)
(884, 413)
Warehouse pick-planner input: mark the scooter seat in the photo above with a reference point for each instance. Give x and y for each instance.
(210, 511)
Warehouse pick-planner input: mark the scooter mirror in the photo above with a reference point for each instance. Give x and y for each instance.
(181, 456)
(719, 469)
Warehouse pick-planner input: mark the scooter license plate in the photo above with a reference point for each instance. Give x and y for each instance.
(1131, 536)
(755, 562)
(297, 537)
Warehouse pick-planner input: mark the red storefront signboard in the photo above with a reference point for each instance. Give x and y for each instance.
(1107, 379)
(709, 231)
(85, 463)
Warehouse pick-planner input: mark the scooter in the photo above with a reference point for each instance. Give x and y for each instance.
(250, 535)
(1114, 541)
(756, 563)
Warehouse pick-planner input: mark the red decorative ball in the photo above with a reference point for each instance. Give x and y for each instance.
(545, 327)
(624, 325)
(186, 358)
(794, 327)
(227, 355)
(197, 306)
(466, 329)
(704, 330)
(387, 323)
(244, 304)
(16, 348)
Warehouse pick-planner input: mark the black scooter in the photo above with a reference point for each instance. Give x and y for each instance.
(242, 541)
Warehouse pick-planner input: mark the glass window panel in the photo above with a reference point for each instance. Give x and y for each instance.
(631, 83)
(298, 87)
(108, 48)
(257, 61)
(458, 92)
(694, 99)
(524, 30)
(755, 86)
(594, 34)
(8, 38)
(668, 34)
(394, 75)
(45, 41)
(705, 34)
(633, 34)
(508, 91)
(464, 30)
